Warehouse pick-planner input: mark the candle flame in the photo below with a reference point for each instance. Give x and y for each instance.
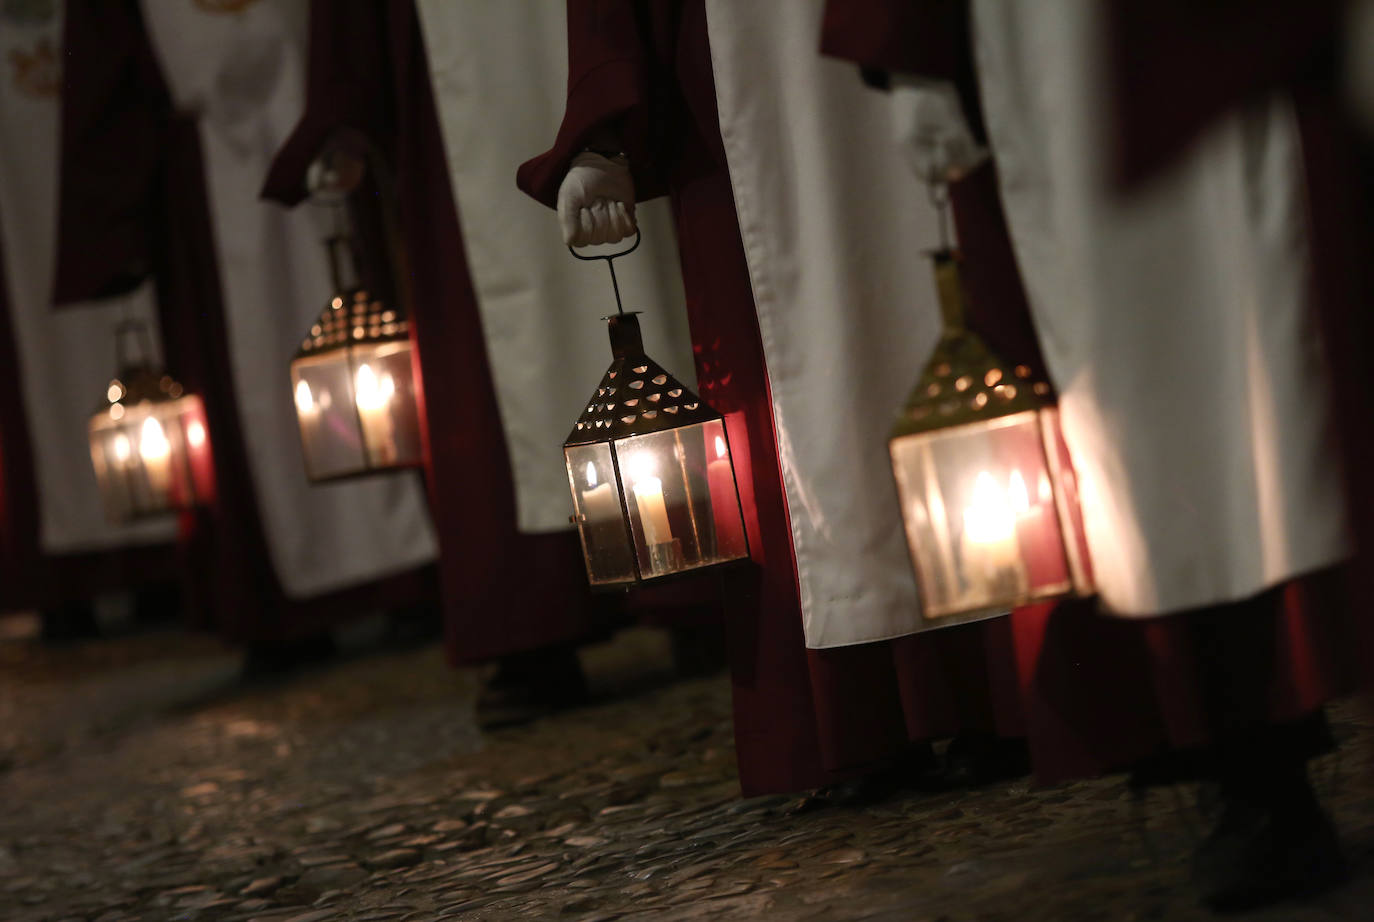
(195, 433)
(641, 467)
(372, 393)
(114, 392)
(305, 401)
(1017, 495)
(720, 447)
(122, 448)
(152, 441)
(1044, 489)
(591, 475)
(989, 518)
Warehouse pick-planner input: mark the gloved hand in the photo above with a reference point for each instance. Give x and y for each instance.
(596, 202)
(930, 129)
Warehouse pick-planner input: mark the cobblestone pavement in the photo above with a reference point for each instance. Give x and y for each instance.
(139, 779)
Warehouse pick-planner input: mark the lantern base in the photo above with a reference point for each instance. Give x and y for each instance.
(669, 577)
(366, 472)
(666, 558)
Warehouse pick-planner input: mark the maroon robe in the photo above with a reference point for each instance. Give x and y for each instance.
(133, 204)
(504, 592)
(1099, 692)
(802, 717)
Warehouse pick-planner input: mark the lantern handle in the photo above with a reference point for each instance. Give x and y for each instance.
(610, 264)
(122, 331)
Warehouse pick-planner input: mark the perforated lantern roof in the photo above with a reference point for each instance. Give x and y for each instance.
(636, 396)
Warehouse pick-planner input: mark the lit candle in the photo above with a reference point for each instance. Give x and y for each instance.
(122, 449)
(599, 503)
(373, 397)
(1037, 535)
(653, 513)
(720, 479)
(308, 413)
(992, 557)
(156, 453)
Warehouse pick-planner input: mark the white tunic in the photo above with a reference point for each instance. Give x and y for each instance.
(1175, 323)
(242, 70)
(66, 357)
(499, 71)
(833, 225)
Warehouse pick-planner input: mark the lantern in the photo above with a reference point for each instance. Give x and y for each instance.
(352, 378)
(987, 490)
(149, 442)
(649, 465)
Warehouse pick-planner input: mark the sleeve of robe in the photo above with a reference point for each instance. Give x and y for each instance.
(932, 39)
(347, 82)
(611, 85)
(924, 38)
(1176, 65)
(114, 128)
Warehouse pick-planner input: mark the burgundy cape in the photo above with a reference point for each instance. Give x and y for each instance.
(802, 717)
(504, 592)
(1101, 692)
(132, 205)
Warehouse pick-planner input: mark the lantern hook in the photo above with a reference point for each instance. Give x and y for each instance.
(938, 191)
(139, 329)
(610, 264)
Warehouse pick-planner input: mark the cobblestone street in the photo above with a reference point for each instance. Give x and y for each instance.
(141, 779)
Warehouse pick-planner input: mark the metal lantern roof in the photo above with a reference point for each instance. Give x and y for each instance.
(965, 381)
(636, 396)
(354, 318)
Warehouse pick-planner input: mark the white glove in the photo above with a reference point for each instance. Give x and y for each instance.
(931, 131)
(596, 203)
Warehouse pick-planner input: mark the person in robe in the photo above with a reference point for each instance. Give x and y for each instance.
(441, 93)
(789, 205)
(170, 116)
(1180, 327)
(58, 552)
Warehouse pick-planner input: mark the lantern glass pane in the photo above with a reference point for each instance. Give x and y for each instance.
(383, 387)
(140, 459)
(681, 496)
(600, 519)
(981, 516)
(196, 433)
(331, 434)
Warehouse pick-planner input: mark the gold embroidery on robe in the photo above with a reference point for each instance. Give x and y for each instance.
(37, 73)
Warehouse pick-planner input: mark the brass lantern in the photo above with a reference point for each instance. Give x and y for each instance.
(649, 466)
(149, 442)
(352, 378)
(987, 490)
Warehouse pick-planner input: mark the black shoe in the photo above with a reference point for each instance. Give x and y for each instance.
(909, 771)
(975, 760)
(69, 622)
(1257, 856)
(531, 685)
(267, 661)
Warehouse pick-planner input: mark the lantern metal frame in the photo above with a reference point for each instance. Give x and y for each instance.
(142, 387)
(966, 383)
(354, 320)
(638, 397)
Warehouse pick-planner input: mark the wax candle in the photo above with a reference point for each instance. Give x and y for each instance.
(653, 513)
(156, 453)
(1037, 536)
(991, 554)
(373, 397)
(599, 503)
(720, 479)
